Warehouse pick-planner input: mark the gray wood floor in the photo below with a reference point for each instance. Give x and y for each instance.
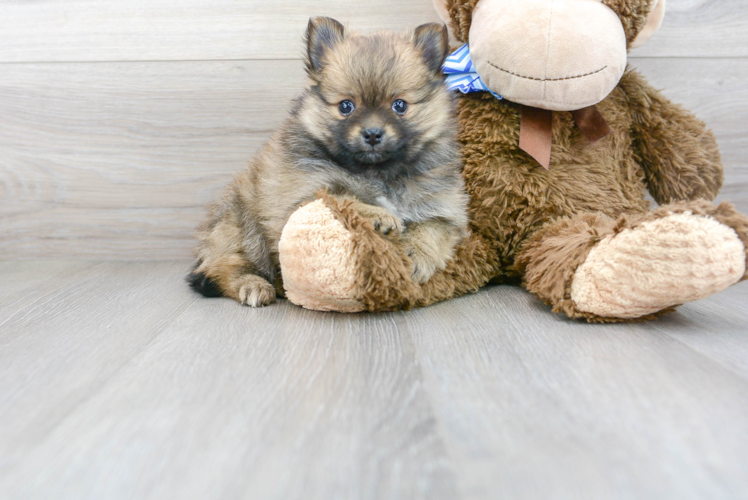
(117, 382)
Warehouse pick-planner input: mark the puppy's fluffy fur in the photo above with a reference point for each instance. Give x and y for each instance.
(407, 180)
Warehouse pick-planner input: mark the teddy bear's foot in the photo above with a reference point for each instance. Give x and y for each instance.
(661, 262)
(316, 253)
(335, 259)
(597, 268)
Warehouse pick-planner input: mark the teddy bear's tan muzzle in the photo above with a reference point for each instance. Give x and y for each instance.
(559, 55)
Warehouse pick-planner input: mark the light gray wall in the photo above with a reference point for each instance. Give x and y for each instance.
(119, 121)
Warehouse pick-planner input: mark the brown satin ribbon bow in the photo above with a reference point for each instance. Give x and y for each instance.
(535, 130)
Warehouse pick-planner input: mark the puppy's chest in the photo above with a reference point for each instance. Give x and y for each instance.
(408, 199)
(409, 206)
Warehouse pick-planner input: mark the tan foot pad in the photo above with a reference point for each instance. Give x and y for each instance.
(315, 255)
(661, 263)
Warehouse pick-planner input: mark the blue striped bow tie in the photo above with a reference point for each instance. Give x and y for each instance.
(461, 74)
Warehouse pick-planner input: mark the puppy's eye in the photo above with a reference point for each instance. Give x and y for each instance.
(400, 107)
(346, 107)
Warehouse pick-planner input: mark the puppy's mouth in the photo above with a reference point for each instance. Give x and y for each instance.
(371, 157)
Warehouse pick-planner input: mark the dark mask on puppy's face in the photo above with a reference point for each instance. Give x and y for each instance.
(376, 100)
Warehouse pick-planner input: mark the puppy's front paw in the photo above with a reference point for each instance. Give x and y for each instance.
(387, 224)
(256, 292)
(383, 221)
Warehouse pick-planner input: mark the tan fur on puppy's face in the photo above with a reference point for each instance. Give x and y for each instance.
(373, 72)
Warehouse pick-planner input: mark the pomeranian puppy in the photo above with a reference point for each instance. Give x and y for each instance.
(376, 126)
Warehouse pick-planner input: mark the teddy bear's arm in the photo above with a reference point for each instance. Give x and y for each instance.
(679, 155)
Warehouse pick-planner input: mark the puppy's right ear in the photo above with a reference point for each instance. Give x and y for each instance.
(322, 34)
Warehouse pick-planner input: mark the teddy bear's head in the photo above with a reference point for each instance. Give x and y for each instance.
(560, 55)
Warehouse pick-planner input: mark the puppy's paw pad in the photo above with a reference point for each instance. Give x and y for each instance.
(257, 294)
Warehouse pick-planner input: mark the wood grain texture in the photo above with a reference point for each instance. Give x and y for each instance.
(84, 344)
(161, 30)
(214, 401)
(700, 28)
(716, 327)
(118, 160)
(19, 280)
(536, 406)
(488, 396)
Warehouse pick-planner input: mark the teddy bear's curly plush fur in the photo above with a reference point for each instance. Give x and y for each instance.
(580, 236)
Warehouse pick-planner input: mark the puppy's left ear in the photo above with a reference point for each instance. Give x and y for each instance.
(433, 41)
(322, 35)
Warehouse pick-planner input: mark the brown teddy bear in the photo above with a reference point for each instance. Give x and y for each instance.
(557, 172)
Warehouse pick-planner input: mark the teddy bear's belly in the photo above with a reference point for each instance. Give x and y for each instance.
(512, 196)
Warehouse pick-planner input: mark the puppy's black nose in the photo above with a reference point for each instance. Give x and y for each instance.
(373, 135)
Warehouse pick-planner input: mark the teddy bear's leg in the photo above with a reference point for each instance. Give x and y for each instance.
(590, 266)
(474, 264)
(333, 259)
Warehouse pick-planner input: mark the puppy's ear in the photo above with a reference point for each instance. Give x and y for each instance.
(322, 34)
(433, 41)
